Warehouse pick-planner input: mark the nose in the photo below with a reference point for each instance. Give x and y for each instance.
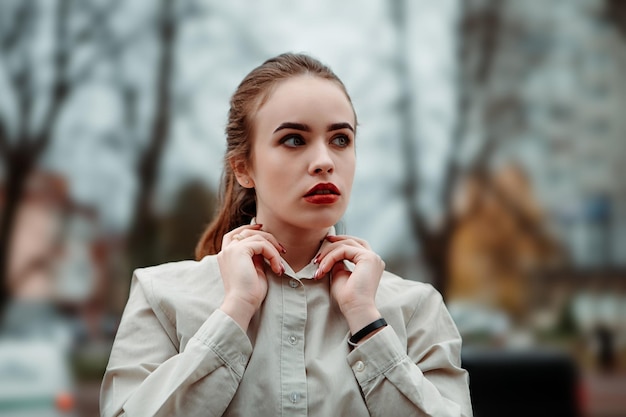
(321, 160)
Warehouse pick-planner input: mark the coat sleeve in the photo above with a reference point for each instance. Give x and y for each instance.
(423, 378)
(147, 375)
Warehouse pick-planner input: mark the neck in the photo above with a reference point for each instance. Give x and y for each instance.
(301, 244)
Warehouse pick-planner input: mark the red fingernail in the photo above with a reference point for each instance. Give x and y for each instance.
(282, 248)
(317, 274)
(317, 258)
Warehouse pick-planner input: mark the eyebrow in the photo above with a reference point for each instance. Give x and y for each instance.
(306, 128)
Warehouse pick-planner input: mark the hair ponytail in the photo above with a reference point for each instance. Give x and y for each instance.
(237, 206)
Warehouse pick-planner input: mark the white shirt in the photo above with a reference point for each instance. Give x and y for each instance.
(177, 354)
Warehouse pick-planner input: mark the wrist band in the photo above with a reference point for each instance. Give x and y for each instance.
(365, 331)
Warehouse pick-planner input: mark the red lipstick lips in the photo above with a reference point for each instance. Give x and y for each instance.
(323, 193)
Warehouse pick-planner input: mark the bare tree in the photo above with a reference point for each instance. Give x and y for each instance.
(22, 151)
(615, 12)
(143, 233)
(22, 144)
(482, 28)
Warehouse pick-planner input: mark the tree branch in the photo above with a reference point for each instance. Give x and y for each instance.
(615, 13)
(143, 228)
(23, 88)
(112, 50)
(411, 184)
(99, 16)
(490, 38)
(11, 38)
(471, 84)
(4, 141)
(160, 128)
(21, 74)
(61, 87)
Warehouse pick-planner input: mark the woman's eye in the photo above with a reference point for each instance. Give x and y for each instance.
(292, 141)
(341, 141)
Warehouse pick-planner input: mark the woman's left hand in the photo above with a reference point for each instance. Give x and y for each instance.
(354, 291)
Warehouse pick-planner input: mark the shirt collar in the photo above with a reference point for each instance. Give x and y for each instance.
(309, 270)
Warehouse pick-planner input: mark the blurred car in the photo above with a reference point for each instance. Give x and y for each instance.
(35, 375)
(523, 382)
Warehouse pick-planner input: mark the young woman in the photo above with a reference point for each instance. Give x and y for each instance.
(280, 316)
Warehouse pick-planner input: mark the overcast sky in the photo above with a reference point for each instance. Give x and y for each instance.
(224, 41)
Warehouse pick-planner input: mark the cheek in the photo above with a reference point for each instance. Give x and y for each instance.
(349, 167)
(273, 176)
(349, 175)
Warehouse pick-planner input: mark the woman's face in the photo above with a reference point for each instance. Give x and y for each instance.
(303, 155)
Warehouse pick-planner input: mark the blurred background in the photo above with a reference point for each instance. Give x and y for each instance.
(491, 153)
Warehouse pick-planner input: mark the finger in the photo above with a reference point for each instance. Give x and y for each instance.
(338, 254)
(243, 233)
(348, 239)
(246, 227)
(236, 234)
(258, 262)
(338, 243)
(265, 236)
(258, 246)
(339, 271)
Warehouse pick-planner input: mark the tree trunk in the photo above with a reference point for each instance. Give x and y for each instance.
(436, 248)
(143, 234)
(19, 166)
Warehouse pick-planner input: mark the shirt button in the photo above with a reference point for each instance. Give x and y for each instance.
(359, 366)
(293, 340)
(293, 283)
(243, 359)
(294, 397)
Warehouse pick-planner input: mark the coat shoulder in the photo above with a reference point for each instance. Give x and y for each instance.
(183, 283)
(392, 285)
(397, 293)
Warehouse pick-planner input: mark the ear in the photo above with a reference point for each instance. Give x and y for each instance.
(240, 168)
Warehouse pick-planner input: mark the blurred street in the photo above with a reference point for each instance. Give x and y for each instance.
(605, 394)
(88, 404)
(490, 165)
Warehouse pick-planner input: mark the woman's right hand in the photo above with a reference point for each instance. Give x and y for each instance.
(241, 263)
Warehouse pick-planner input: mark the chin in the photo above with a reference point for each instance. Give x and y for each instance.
(321, 220)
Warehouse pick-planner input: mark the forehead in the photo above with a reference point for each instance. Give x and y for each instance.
(305, 99)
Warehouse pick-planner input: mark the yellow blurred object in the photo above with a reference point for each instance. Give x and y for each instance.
(500, 240)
